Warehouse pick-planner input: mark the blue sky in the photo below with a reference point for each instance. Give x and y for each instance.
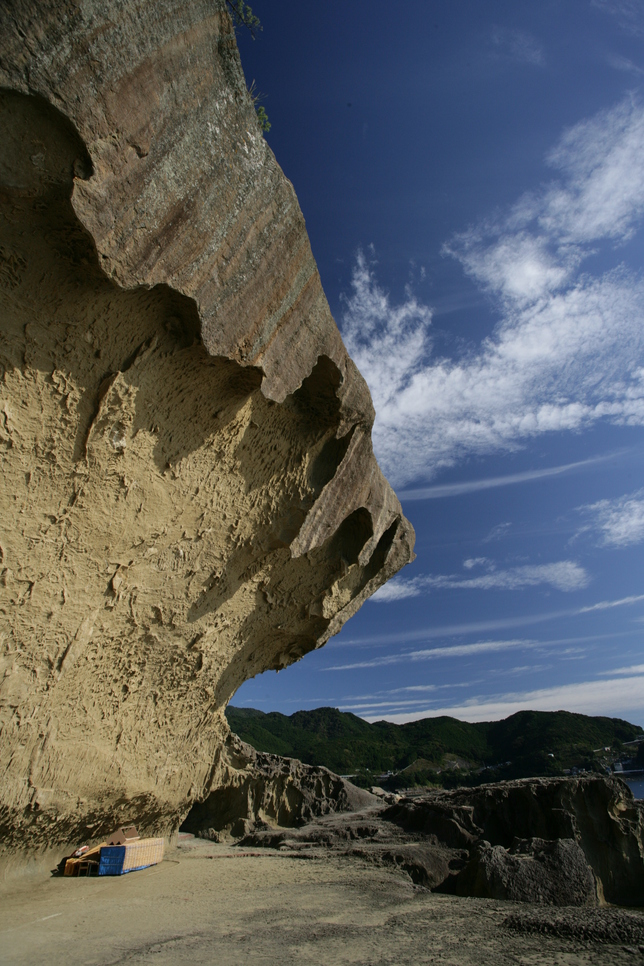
(472, 177)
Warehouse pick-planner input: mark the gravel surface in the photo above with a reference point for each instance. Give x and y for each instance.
(616, 926)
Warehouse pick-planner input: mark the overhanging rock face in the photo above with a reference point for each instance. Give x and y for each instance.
(189, 494)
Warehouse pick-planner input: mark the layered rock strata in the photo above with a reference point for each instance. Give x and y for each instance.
(189, 494)
(507, 827)
(576, 842)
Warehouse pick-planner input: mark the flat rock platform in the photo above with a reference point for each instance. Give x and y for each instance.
(208, 904)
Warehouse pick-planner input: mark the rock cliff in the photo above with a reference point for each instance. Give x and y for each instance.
(189, 494)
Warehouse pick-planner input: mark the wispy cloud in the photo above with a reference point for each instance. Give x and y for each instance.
(609, 604)
(623, 63)
(633, 669)
(374, 705)
(456, 302)
(393, 698)
(629, 13)
(473, 486)
(523, 669)
(448, 630)
(498, 532)
(569, 349)
(620, 522)
(432, 687)
(435, 653)
(617, 696)
(565, 575)
(560, 647)
(478, 627)
(518, 46)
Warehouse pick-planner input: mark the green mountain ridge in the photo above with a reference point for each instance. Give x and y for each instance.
(443, 749)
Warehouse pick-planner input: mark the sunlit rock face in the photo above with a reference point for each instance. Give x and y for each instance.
(189, 494)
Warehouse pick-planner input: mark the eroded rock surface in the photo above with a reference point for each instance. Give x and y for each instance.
(561, 842)
(550, 871)
(189, 494)
(599, 814)
(258, 790)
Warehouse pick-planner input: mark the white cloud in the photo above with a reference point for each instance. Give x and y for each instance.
(436, 653)
(620, 522)
(564, 575)
(475, 562)
(609, 604)
(633, 669)
(569, 349)
(517, 45)
(629, 13)
(478, 627)
(621, 697)
(604, 197)
(517, 265)
(473, 486)
(623, 63)
(387, 343)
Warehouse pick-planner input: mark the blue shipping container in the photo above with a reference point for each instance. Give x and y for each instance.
(112, 859)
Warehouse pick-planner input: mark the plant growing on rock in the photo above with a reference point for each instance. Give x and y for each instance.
(262, 116)
(243, 16)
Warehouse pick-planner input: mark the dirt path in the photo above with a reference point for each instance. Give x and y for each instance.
(208, 904)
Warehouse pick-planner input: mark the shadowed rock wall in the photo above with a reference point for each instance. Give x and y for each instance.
(509, 825)
(259, 790)
(189, 494)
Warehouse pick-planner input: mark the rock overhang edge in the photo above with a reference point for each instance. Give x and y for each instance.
(183, 192)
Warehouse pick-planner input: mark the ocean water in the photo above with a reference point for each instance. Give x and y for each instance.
(637, 787)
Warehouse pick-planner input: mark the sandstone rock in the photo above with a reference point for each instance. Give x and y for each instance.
(189, 494)
(550, 871)
(584, 841)
(427, 865)
(258, 790)
(598, 813)
(359, 831)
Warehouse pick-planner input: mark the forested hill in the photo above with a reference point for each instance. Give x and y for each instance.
(347, 744)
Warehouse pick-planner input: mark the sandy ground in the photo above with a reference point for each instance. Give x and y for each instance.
(210, 904)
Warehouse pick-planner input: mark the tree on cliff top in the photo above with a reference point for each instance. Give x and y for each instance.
(242, 15)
